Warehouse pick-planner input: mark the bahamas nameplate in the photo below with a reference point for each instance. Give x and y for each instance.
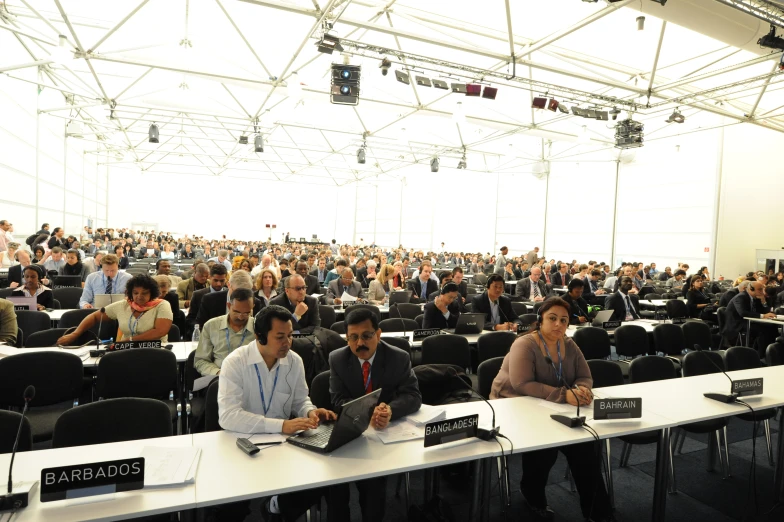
(617, 408)
(128, 345)
(87, 480)
(441, 432)
(747, 387)
(425, 332)
(678, 320)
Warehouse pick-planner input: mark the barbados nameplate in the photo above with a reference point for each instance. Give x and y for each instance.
(95, 478)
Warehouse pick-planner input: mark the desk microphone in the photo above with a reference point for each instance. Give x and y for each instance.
(500, 311)
(400, 317)
(480, 433)
(20, 500)
(100, 324)
(566, 420)
(721, 397)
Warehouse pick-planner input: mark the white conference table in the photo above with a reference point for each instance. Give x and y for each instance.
(778, 322)
(181, 351)
(128, 504)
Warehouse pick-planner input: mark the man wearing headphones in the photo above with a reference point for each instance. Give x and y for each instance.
(262, 385)
(499, 314)
(625, 308)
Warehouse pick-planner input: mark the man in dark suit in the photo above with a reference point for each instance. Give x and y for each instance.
(368, 364)
(625, 307)
(533, 287)
(422, 286)
(310, 281)
(149, 250)
(304, 309)
(214, 304)
(462, 286)
(591, 287)
(562, 277)
(499, 314)
(320, 271)
(346, 284)
(749, 303)
(443, 311)
(218, 275)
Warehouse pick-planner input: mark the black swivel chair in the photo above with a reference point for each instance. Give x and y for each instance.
(403, 344)
(676, 309)
(113, 420)
(486, 373)
(327, 314)
(211, 414)
(519, 308)
(527, 319)
(631, 341)
(339, 327)
(420, 319)
(319, 391)
(774, 355)
(405, 310)
(447, 349)
(593, 342)
(194, 401)
(48, 338)
(668, 338)
(72, 318)
(697, 332)
(398, 325)
(494, 344)
(68, 297)
(32, 321)
(9, 426)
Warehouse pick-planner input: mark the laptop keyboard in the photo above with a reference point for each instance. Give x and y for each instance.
(320, 439)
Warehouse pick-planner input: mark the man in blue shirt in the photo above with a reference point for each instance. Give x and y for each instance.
(109, 280)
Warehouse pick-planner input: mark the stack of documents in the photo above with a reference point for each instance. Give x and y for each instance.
(166, 466)
(411, 427)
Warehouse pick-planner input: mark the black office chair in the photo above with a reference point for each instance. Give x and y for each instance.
(327, 314)
(211, 414)
(480, 279)
(112, 420)
(9, 426)
(486, 373)
(519, 308)
(593, 342)
(494, 344)
(174, 334)
(48, 338)
(57, 377)
(697, 333)
(527, 319)
(72, 318)
(56, 304)
(537, 306)
(631, 341)
(774, 355)
(420, 320)
(697, 363)
(398, 325)
(405, 310)
(19, 338)
(668, 338)
(68, 297)
(721, 316)
(653, 295)
(447, 349)
(372, 308)
(676, 309)
(339, 327)
(194, 401)
(32, 321)
(319, 391)
(149, 373)
(6, 292)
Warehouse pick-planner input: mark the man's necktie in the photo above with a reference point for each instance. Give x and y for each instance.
(536, 289)
(365, 377)
(109, 285)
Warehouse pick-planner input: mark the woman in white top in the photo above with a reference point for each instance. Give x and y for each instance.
(379, 287)
(8, 256)
(142, 316)
(167, 252)
(266, 284)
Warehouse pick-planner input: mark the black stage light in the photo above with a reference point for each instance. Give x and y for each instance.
(440, 84)
(423, 81)
(345, 84)
(402, 77)
(328, 44)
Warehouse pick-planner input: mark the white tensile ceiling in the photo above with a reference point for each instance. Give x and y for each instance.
(206, 70)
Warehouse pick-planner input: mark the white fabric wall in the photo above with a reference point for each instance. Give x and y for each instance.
(521, 204)
(49, 181)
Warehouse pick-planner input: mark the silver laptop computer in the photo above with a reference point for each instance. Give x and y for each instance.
(103, 300)
(602, 317)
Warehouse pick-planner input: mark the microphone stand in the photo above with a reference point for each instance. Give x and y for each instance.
(481, 433)
(721, 397)
(566, 420)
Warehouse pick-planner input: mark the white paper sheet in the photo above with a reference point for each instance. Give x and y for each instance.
(203, 382)
(346, 298)
(426, 414)
(165, 466)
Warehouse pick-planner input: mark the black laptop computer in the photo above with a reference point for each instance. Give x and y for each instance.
(353, 420)
(468, 324)
(400, 296)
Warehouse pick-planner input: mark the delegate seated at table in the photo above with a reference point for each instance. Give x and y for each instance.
(499, 314)
(33, 287)
(444, 310)
(564, 377)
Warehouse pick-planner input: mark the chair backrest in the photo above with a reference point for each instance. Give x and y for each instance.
(113, 420)
(399, 342)
(527, 319)
(174, 334)
(405, 310)
(56, 375)
(32, 321)
(593, 342)
(653, 295)
(48, 338)
(537, 306)
(6, 292)
(486, 373)
(721, 316)
(742, 358)
(651, 368)
(319, 391)
(519, 308)
(372, 308)
(668, 338)
(339, 327)
(696, 332)
(420, 320)
(56, 305)
(699, 363)
(494, 344)
(398, 325)
(9, 425)
(68, 297)
(631, 340)
(774, 355)
(191, 374)
(327, 314)
(446, 349)
(19, 337)
(480, 279)
(605, 373)
(74, 317)
(676, 308)
(211, 416)
(141, 372)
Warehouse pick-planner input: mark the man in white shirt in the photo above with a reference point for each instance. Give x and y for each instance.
(247, 400)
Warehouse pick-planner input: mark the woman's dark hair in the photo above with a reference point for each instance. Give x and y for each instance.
(547, 304)
(34, 268)
(143, 281)
(37, 248)
(117, 247)
(41, 237)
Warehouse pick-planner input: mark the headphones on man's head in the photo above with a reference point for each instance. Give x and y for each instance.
(492, 278)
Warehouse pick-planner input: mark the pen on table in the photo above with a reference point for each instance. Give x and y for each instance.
(267, 443)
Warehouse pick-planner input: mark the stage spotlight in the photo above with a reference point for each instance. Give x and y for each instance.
(440, 84)
(640, 23)
(676, 117)
(434, 164)
(153, 133)
(614, 113)
(459, 88)
(385, 65)
(490, 93)
(772, 41)
(563, 108)
(243, 140)
(258, 143)
(361, 155)
(423, 81)
(345, 84)
(473, 89)
(539, 103)
(328, 44)
(402, 77)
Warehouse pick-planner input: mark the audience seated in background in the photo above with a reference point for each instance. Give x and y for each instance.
(303, 308)
(33, 274)
(108, 280)
(266, 286)
(345, 285)
(499, 314)
(224, 334)
(187, 287)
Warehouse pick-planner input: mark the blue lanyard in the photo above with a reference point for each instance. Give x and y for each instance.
(228, 344)
(559, 371)
(132, 329)
(261, 390)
